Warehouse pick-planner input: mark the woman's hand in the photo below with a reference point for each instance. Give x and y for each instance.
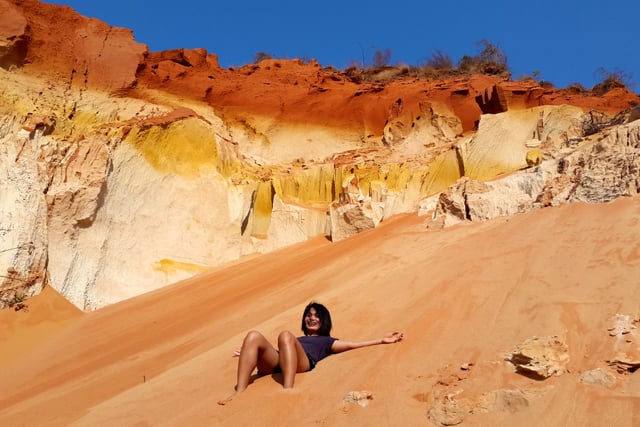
(236, 353)
(392, 337)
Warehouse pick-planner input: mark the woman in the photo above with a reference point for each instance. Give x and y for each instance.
(295, 355)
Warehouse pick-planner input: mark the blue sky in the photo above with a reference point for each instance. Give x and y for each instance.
(566, 41)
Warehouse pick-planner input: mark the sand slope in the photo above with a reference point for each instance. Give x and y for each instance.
(466, 294)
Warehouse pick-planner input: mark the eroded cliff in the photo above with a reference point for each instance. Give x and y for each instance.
(123, 170)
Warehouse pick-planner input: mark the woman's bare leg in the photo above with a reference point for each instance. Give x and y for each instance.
(256, 352)
(293, 359)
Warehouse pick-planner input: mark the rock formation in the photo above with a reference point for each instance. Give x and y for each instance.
(123, 170)
(450, 410)
(540, 357)
(594, 169)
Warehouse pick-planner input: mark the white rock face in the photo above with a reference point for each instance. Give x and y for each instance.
(608, 168)
(290, 224)
(596, 170)
(268, 141)
(481, 201)
(152, 229)
(436, 125)
(23, 213)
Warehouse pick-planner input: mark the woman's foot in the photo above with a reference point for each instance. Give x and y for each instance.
(227, 399)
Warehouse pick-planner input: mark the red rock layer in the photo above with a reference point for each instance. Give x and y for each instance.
(293, 91)
(58, 43)
(55, 41)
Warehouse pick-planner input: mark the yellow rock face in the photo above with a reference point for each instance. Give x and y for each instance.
(262, 208)
(315, 186)
(444, 171)
(501, 144)
(185, 148)
(170, 267)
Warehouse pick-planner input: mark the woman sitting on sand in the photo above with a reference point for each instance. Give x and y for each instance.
(295, 355)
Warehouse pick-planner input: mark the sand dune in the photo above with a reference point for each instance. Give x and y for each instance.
(464, 295)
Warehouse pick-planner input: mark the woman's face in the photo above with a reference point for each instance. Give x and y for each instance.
(312, 322)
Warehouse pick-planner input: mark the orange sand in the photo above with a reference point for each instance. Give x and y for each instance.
(465, 294)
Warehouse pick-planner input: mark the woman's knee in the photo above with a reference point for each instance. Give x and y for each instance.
(286, 338)
(253, 336)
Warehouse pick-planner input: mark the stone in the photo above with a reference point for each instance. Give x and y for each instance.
(361, 398)
(534, 157)
(540, 357)
(452, 408)
(449, 410)
(598, 376)
(622, 325)
(624, 364)
(350, 219)
(507, 400)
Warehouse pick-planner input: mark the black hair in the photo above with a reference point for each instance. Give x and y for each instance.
(322, 313)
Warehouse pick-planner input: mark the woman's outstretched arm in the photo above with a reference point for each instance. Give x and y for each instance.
(339, 345)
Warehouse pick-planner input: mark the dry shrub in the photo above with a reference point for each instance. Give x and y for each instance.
(577, 89)
(610, 80)
(381, 58)
(354, 74)
(261, 56)
(491, 60)
(387, 74)
(439, 61)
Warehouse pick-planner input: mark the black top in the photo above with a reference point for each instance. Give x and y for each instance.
(317, 347)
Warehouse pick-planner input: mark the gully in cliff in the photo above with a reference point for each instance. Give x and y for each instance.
(295, 355)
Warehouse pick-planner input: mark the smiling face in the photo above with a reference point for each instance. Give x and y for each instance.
(316, 320)
(312, 322)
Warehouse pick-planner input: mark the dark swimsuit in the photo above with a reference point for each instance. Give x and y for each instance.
(316, 347)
